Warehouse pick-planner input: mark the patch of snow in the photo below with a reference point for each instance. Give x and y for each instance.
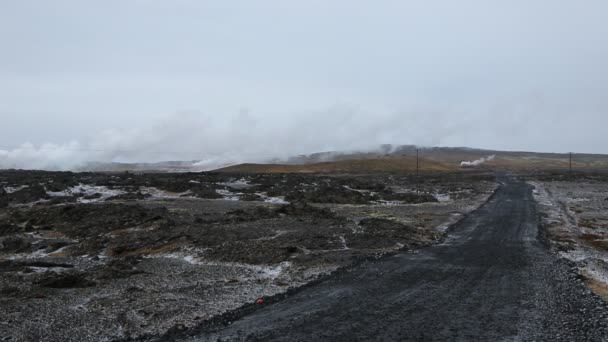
(47, 269)
(598, 270)
(553, 201)
(268, 199)
(189, 259)
(237, 184)
(343, 242)
(454, 217)
(88, 190)
(158, 193)
(274, 271)
(228, 195)
(442, 197)
(11, 189)
(388, 203)
(263, 271)
(356, 190)
(41, 253)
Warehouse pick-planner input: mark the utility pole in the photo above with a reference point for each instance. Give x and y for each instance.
(570, 165)
(417, 172)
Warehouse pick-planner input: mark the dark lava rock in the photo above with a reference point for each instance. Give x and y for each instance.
(79, 220)
(64, 281)
(119, 268)
(332, 194)
(304, 209)
(409, 197)
(250, 197)
(6, 229)
(9, 291)
(59, 200)
(14, 244)
(92, 196)
(131, 196)
(3, 198)
(258, 213)
(382, 224)
(202, 191)
(12, 265)
(27, 195)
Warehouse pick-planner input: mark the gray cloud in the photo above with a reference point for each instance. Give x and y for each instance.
(258, 79)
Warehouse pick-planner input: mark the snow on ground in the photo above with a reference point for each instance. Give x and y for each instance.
(88, 190)
(238, 184)
(268, 199)
(105, 193)
(389, 203)
(258, 271)
(361, 191)
(157, 193)
(236, 196)
(228, 195)
(442, 197)
(11, 189)
(574, 215)
(453, 218)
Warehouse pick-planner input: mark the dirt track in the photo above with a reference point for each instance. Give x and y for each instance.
(493, 279)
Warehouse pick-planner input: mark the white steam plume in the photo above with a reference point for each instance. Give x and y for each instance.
(477, 162)
(213, 141)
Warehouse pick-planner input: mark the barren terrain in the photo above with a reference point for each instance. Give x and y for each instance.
(88, 256)
(575, 217)
(493, 279)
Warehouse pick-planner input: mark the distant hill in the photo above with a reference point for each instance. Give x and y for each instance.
(368, 165)
(166, 166)
(403, 158)
(386, 158)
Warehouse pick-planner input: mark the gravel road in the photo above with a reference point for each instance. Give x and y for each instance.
(493, 279)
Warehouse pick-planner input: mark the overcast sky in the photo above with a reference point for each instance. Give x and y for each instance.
(254, 78)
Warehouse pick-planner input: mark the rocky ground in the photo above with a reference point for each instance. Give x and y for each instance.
(575, 217)
(90, 256)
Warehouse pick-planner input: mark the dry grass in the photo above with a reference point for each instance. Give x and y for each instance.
(430, 160)
(587, 223)
(598, 287)
(560, 235)
(589, 237)
(384, 164)
(596, 241)
(52, 234)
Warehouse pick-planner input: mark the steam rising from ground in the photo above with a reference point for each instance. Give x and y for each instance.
(477, 162)
(215, 141)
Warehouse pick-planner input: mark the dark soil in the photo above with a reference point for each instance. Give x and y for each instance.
(30, 194)
(137, 263)
(3, 198)
(64, 281)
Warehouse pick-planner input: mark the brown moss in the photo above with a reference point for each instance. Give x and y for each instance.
(385, 164)
(598, 287)
(587, 223)
(596, 241)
